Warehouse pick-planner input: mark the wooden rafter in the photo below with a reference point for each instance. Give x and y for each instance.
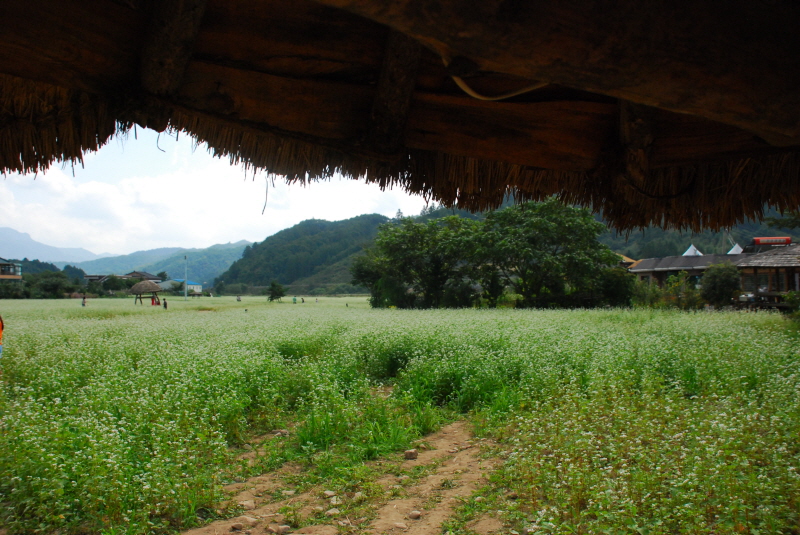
(395, 90)
(733, 62)
(174, 25)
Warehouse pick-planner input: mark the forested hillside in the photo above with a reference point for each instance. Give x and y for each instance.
(204, 264)
(303, 250)
(119, 265)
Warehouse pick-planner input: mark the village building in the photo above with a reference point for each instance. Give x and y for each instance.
(141, 275)
(772, 273)
(10, 270)
(191, 286)
(693, 262)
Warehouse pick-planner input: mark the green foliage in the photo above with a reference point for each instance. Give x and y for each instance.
(549, 253)
(617, 286)
(720, 284)
(613, 421)
(114, 283)
(546, 252)
(204, 265)
(275, 291)
(680, 291)
(74, 274)
(646, 293)
(48, 285)
(788, 221)
(220, 288)
(302, 250)
(34, 267)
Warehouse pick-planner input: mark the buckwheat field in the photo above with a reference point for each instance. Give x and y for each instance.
(117, 418)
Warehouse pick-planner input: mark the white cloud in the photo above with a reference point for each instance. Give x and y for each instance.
(133, 196)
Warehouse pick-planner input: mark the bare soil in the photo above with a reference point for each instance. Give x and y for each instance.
(452, 470)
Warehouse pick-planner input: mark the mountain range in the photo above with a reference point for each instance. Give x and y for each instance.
(315, 256)
(202, 265)
(14, 244)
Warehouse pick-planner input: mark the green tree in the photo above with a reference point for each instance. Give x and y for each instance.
(788, 221)
(425, 265)
(275, 291)
(680, 291)
(219, 287)
(163, 275)
(49, 285)
(617, 286)
(721, 283)
(548, 252)
(75, 274)
(114, 283)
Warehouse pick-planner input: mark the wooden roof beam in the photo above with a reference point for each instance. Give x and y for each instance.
(174, 25)
(395, 90)
(733, 62)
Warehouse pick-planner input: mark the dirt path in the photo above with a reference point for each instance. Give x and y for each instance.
(447, 472)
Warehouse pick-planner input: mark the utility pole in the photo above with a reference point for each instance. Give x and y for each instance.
(186, 278)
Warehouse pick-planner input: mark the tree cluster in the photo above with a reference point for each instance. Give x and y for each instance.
(545, 254)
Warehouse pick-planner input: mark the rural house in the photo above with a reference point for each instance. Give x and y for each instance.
(693, 262)
(191, 286)
(772, 272)
(10, 270)
(141, 275)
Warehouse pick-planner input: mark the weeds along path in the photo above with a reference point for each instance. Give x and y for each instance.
(446, 472)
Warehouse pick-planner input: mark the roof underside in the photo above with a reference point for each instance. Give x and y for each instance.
(673, 114)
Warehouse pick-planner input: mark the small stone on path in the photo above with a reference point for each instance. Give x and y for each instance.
(329, 494)
(237, 526)
(400, 525)
(332, 512)
(410, 454)
(414, 515)
(288, 492)
(247, 505)
(336, 500)
(249, 521)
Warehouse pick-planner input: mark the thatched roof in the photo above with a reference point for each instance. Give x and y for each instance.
(145, 287)
(655, 113)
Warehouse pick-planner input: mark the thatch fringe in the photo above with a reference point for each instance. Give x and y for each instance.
(42, 124)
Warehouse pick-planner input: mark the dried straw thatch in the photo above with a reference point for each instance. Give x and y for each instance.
(145, 287)
(300, 90)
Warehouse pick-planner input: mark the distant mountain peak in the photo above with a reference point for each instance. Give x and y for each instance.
(16, 244)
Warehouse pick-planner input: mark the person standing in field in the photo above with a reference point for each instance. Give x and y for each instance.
(165, 303)
(83, 301)
(1, 335)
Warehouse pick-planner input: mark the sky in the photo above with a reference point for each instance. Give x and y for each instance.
(149, 190)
